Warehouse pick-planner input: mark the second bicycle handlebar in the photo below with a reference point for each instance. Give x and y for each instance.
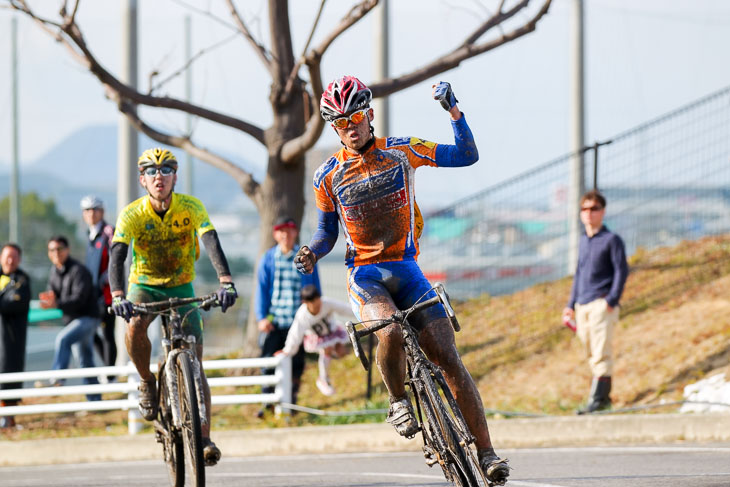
(206, 302)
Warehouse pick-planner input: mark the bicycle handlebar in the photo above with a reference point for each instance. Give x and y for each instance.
(206, 302)
(400, 317)
(397, 317)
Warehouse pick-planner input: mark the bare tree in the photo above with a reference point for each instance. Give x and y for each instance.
(294, 96)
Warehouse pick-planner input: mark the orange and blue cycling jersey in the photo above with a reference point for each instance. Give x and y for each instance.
(371, 194)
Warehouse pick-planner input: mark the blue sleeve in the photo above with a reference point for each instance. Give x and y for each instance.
(312, 278)
(620, 271)
(463, 152)
(325, 237)
(263, 285)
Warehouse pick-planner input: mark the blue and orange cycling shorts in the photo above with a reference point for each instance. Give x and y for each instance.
(402, 282)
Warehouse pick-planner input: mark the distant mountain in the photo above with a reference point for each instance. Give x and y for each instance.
(86, 162)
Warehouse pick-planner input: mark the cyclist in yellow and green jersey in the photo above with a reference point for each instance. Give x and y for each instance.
(163, 228)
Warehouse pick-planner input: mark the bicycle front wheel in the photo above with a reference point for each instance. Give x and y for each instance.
(442, 433)
(172, 444)
(190, 418)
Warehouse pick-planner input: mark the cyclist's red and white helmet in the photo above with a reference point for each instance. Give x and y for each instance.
(344, 95)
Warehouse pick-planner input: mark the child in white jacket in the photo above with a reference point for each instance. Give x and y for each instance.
(315, 326)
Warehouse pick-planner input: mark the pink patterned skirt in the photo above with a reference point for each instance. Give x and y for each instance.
(314, 343)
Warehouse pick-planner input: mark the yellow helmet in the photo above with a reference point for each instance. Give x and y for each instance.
(156, 157)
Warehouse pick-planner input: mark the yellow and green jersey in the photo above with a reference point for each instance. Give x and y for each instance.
(164, 250)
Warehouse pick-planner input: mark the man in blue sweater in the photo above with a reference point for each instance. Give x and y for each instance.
(594, 299)
(278, 298)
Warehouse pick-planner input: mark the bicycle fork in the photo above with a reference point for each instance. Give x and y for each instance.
(173, 386)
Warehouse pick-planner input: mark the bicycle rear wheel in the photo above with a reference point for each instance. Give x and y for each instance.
(443, 434)
(172, 445)
(192, 437)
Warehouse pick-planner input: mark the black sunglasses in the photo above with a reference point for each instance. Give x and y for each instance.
(164, 170)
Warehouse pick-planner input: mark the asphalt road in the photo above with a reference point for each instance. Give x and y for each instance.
(614, 466)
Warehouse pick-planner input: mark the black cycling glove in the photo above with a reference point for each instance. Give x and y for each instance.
(122, 307)
(226, 295)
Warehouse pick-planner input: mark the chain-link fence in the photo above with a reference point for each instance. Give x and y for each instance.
(665, 181)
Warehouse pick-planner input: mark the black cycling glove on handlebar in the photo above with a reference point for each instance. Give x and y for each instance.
(122, 307)
(226, 295)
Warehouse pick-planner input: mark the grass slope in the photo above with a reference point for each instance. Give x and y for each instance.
(674, 329)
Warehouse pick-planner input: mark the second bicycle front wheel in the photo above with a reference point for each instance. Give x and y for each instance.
(172, 444)
(190, 418)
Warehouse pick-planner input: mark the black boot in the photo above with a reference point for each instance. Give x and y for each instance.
(600, 400)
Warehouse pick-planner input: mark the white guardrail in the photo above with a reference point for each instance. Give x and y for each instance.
(281, 380)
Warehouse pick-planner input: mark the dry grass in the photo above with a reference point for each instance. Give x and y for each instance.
(674, 330)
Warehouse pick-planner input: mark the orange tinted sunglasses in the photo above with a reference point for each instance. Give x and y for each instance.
(355, 118)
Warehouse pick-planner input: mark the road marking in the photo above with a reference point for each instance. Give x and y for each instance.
(531, 484)
(630, 449)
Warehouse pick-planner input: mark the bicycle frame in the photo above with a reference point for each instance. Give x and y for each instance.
(182, 414)
(449, 444)
(173, 344)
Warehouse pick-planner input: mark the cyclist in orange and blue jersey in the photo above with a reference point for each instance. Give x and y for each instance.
(367, 187)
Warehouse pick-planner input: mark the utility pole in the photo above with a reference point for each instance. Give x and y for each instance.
(14, 217)
(127, 154)
(127, 145)
(380, 69)
(577, 171)
(188, 97)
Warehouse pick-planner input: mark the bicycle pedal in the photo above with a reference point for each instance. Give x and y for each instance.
(430, 456)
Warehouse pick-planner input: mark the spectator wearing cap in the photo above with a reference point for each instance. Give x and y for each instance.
(278, 296)
(97, 261)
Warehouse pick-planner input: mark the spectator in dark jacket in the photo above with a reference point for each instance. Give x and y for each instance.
(14, 304)
(594, 298)
(97, 261)
(71, 289)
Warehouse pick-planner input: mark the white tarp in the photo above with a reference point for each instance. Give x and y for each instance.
(711, 390)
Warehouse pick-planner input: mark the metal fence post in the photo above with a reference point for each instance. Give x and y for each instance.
(283, 384)
(134, 417)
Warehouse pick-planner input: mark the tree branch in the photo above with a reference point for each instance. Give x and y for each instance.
(74, 41)
(257, 47)
(495, 19)
(455, 57)
(296, 147)
(243, 178)
(286, 93)
(189, 63)
(356, 13)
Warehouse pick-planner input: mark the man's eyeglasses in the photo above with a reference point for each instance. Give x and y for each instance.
(591, 208)
(164, 170)
(355, 118)
(55, 249)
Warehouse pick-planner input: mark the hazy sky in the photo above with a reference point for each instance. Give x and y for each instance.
(643, 58)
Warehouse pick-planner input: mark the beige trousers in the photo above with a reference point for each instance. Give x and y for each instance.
(594, 327)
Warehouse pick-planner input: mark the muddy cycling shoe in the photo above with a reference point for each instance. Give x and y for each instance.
(211, 453)
(494, 468)
(401, 416)
(148, 399)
